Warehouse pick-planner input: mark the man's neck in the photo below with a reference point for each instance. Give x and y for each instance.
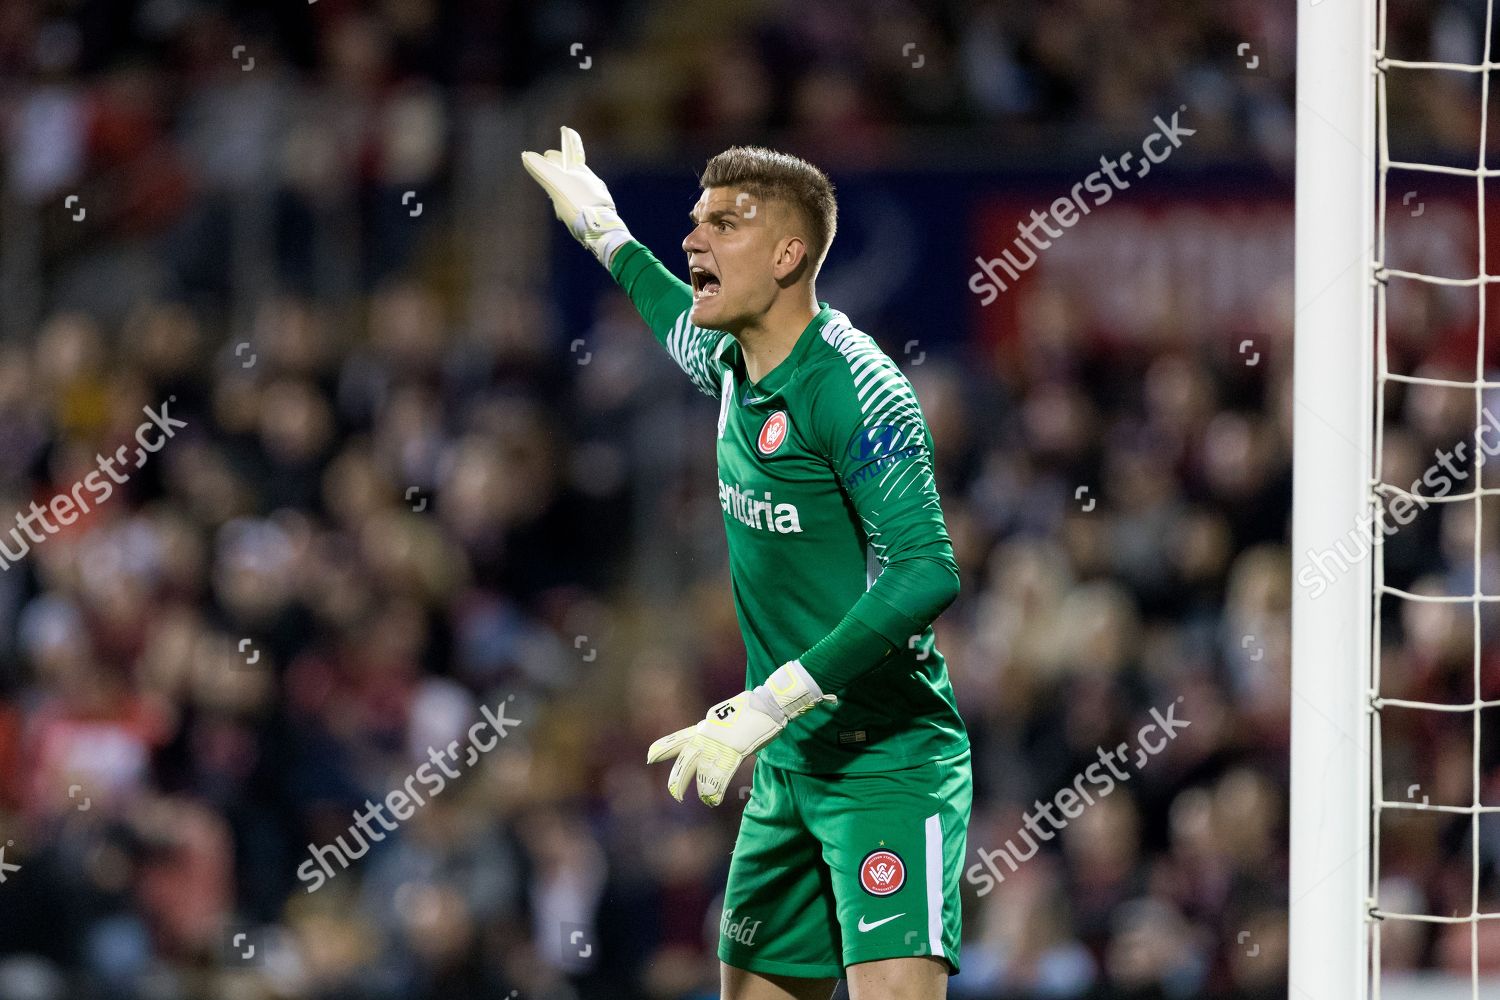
(767, 343)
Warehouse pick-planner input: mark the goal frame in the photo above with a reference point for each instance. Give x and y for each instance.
(1333, 387)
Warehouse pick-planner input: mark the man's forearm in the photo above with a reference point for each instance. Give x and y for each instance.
(875, 627)
(663, 300)
(657, 294)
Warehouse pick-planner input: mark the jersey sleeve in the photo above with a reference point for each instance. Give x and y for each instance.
(663, 300)
(867, 421)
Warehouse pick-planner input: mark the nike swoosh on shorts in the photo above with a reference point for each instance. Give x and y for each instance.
(870, 927)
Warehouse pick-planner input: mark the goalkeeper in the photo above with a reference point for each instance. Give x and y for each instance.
(849, 850)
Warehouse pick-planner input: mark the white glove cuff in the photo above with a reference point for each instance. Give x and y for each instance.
(607, 242)
(791, 690)
(763, 702)
(601, 230)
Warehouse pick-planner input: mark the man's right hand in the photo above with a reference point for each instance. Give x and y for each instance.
(734, 729)
(579, 197)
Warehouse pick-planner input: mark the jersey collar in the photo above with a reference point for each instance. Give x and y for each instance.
(776, 379)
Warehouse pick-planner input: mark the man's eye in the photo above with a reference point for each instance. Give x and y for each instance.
(723, 226)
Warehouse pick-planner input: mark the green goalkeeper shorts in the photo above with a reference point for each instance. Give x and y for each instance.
(834, 869)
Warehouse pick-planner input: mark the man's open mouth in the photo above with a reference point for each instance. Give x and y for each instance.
(705, 282)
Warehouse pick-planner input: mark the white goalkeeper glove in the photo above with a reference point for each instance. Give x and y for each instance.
(734, 729)
(579, 197)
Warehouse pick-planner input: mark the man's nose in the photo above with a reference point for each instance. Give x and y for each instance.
(693, 242)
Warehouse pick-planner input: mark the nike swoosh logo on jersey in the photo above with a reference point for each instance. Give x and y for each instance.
(870, 927)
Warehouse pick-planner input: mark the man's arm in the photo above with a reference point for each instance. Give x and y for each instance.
(866, 417)
(584, 205)
(663, 300)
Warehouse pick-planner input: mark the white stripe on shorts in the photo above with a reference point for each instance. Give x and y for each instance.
(934, 829)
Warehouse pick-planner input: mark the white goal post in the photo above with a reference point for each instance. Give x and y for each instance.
(1334, 387)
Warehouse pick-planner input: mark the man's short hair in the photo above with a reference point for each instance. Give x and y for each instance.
(766, 173)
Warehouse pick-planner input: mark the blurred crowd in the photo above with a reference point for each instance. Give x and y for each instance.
(400, 499)
(843, 80)
(353, 546)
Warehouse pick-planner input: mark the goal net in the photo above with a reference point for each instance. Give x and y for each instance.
(1394, 848)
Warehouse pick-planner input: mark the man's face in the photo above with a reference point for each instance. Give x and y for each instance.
(732, 252)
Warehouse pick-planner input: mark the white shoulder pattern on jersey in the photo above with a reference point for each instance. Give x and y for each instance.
(885, 395)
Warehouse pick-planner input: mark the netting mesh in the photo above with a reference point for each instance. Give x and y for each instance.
(1382, 493)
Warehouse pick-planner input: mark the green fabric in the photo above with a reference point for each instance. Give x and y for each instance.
(825, 464)
(845, 653)
(880, 851)
(660, 296)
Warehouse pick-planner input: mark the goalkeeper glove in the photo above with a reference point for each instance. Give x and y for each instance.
(734, 729)
(579, 197)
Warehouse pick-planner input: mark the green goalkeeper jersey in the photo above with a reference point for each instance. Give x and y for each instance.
(838, 554)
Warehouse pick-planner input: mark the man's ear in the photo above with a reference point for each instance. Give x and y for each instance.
(791, 259)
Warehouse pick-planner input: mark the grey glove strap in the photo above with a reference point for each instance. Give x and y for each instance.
(797, 670)
(761, 696)
(762, 700)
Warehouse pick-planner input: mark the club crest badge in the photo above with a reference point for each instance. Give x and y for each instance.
(772, 433)
(882, 872)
